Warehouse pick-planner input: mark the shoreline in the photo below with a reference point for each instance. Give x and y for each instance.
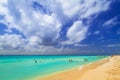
(78, 71)
(47, 75)
(108, 71)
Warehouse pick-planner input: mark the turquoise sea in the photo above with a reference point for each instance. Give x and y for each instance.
(28, 67)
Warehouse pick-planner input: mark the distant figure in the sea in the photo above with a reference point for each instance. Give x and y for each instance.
(70, 60)
(85, 60)
(35, 61)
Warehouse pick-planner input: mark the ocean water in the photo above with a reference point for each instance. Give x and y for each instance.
(29, 67)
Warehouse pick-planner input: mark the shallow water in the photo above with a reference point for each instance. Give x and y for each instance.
(27, 67)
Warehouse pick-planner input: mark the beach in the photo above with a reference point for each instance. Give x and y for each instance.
(105, 69)
(34, 67)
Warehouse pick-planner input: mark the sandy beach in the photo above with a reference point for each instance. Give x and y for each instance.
(106, 69)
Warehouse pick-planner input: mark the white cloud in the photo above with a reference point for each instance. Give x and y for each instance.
(2, 6)
(11, 41)
(112, 22)
(92, 7)
(32, 23)
(70, 7)
(34, 40)
(42, 27)
(96, 32)
(76, 33)
(83, 8)
(80, 45)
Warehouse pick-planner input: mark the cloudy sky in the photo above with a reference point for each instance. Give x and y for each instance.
(59, 27)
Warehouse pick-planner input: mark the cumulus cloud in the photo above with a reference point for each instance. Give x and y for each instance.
(11, 41)
(42, 21)
(70, 7)
(76, 33)
(31, 22)
(85, 8)
(92, 7)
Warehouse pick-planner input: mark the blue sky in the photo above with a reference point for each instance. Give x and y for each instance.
(59, 27)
